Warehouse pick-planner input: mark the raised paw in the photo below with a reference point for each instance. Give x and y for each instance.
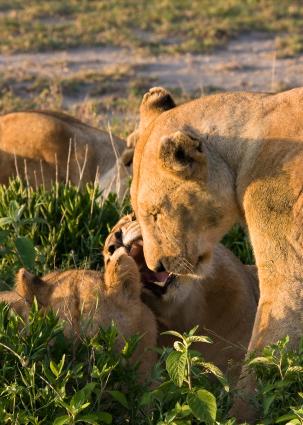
(158, 98)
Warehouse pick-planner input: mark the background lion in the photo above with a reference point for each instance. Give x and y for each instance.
(46, 146)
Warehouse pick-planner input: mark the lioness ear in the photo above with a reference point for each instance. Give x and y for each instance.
(154, 102)
(182, 153)
(29, 286)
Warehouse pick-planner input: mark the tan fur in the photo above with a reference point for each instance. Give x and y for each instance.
(223, 303)
(36, 146)
(87, 300)
(241, 162)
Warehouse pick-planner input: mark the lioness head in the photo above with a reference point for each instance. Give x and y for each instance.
(177, 193)
(154, 285)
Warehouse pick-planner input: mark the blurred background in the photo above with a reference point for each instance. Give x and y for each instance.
(95, 58)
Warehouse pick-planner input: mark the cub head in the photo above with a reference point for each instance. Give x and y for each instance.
(126, 235)
(121, 273)
(179, 191)
(29, 286)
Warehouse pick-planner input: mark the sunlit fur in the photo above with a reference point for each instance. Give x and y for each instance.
(87, 300)
(247, 168)
(43, 147)
(223, 303)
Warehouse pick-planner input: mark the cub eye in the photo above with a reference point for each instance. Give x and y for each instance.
(118, 235)
(112, 249)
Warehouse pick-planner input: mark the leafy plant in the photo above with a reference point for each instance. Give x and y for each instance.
(279, 372)
(46, 379)
(185, 396)
(238, 242)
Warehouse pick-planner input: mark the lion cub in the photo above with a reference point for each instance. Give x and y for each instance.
(223, 303)
(87, 300)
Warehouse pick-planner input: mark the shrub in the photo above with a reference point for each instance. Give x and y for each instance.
(279, 373)
(45, 379)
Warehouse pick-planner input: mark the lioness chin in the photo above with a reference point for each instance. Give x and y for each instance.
(223, 303)
(202, 166)
(87, 300)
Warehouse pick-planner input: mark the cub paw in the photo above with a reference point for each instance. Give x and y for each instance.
(158, 98)
(122, 274)
(122, 258)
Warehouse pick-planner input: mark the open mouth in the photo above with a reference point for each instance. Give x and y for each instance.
(157, 282)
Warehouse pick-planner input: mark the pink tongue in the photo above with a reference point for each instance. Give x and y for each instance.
(160, 276)
(136, 252)
(149, 276)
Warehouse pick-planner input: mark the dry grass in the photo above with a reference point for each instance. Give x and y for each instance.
(155, 26)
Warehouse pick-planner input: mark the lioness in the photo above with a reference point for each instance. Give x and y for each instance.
(223, 303)
(87, 300)
(201, 167)
(47, 146)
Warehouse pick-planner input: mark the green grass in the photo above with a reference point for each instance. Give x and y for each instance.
(43, 381)
(65, 226)
(156, 26)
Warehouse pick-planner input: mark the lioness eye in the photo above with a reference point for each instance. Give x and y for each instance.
(154, 213)
(155, 217)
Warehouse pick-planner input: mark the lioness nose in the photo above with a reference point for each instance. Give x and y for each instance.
(159, 267)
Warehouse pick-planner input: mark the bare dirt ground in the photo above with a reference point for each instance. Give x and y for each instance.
(248, 62)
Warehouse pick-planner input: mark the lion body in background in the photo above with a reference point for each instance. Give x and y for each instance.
(43, 147)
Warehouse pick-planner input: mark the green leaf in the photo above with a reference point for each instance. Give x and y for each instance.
(61, 420)
(174, 333)
(268, 402)
(54, 369)
(5, 220)
(120, 397)
(3, 236)
(193, 330)
(203, 405)
(80, 398)
(95, 418)
(287, 417)
(176, 367)
(178, 346)
(26, 251)
(210, 367)
(294, 369)
(105, 417)
(260, 360)
(196, 338)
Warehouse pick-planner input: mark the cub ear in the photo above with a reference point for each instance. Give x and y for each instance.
(182, 153)
(154, 102)
(29, 286)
